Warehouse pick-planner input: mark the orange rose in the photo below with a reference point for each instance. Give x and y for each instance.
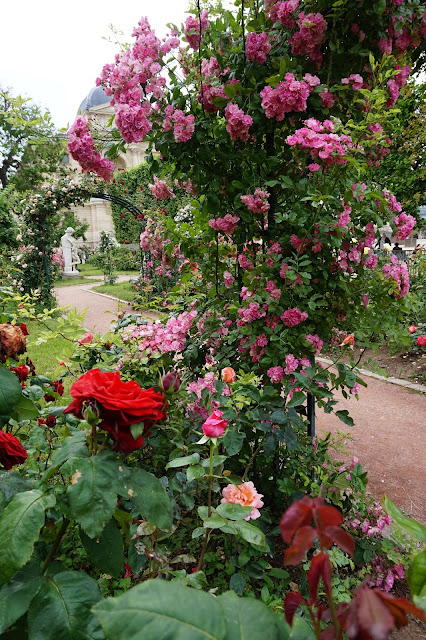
(12, 341)
(228, 374)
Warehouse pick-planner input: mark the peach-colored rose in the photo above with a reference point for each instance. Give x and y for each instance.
(12, 341)
(246, 495)
(228, 374)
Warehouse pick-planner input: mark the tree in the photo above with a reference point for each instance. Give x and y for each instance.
(404, 170)
(30, 146)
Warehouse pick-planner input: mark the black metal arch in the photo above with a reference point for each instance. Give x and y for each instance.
(122, 202)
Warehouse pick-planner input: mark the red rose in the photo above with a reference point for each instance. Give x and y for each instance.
(11, 450)
(215, 425)
(412, 328)
(421, 341)
(22, 372)
(121, 404)
(58, 388)
(24, 328)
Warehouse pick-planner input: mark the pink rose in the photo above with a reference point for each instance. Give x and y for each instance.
(86, 339)
(215, 425)
(246, 495)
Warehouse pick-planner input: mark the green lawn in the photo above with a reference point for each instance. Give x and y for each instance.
(68, 282)
(90, 270)
(48, 355)
(122, 290)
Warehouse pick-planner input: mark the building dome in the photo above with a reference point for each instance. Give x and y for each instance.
(94, 98)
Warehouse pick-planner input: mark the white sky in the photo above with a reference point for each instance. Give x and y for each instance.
(52, 50)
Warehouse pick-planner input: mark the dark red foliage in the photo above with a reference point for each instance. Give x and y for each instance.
(308, 519)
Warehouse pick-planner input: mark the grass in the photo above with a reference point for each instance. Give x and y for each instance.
(122, 290)
(69, 282)
(47, 356)
(91, 270)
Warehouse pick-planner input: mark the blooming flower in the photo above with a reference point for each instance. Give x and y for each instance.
(215, 425)
(246, 495)
(293, 317)
(86, 339)
(160, 189)
(412, 328)
(421, 341)
(228, 374)
(11, 451)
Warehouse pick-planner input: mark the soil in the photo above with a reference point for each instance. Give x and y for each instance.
(408, 365)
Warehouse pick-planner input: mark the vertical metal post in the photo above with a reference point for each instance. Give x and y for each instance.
(311, 408)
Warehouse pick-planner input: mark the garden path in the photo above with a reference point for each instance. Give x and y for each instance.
(389, 438)
(101, 310)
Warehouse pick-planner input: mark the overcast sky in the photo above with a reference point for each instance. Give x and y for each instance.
(52, 50)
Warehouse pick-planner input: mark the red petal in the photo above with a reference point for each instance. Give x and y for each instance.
(303, 539)
(297, 515)
(291, 604)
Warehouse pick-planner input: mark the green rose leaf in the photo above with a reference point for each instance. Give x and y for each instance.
(149, 497)
(72, 447)
(158, 609)
(233, 441)
(61, 609)
(92, 494)
(409, 525)
(248, 618)
(12, 483)
(183, 462)
(345, 417)
(416, 574)
(251, 534)
(25, 409)
(20, 524)
(194, 472)
(10, 391)
(106, 552)
(16, 595)
(233, 511)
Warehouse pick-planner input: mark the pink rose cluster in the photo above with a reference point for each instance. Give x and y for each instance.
(316, 342)
(289, 95)
(160, 189)
(228, 279)
(207, 94)
(355, 81)
(310, 37)
(398, 273)
(133, 78)
(154, 337)
(321, 141)
(257, 47)
(249, 314)
(405, 224)
(82, 148)
(227, 224)
(194, 27)
(183, 126)
(258, 203)
(246, 495)
(238, 123)
(293, 317)
(282, 11)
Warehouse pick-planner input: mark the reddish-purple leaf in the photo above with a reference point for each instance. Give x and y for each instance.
(329, 633)
(339, 537)
(303, 539)
(291, 603)
(328, 517)
(319, 568)
(398, 607)
(297, 515)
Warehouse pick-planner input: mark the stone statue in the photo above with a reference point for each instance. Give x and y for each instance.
(69, 251)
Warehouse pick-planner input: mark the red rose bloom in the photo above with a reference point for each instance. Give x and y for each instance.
(11, 450)
(22, 372)
(421, 341)
(121, 404)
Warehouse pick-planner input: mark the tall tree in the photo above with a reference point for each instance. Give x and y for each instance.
(30, 146)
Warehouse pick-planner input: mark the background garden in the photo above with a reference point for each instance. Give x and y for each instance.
(154, 477)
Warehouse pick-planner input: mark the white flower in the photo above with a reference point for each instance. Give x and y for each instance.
(387, 247)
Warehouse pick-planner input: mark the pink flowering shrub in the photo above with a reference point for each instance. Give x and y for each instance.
(258, 47)
(293, 317)
(258, 203)
(161, 190)
(238, 123)
(289, 95)
(398, 273)
(227, 224)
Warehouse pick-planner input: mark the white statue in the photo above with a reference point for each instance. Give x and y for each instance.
(69, 251)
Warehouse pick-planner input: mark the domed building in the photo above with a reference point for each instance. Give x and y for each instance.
(97, 212)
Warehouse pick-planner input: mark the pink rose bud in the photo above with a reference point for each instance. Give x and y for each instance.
(171, 382)
(215, 425)
(412, 328)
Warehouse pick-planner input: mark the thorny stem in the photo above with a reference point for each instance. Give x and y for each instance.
(56, 545)
(253, 455)
(209, 506)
